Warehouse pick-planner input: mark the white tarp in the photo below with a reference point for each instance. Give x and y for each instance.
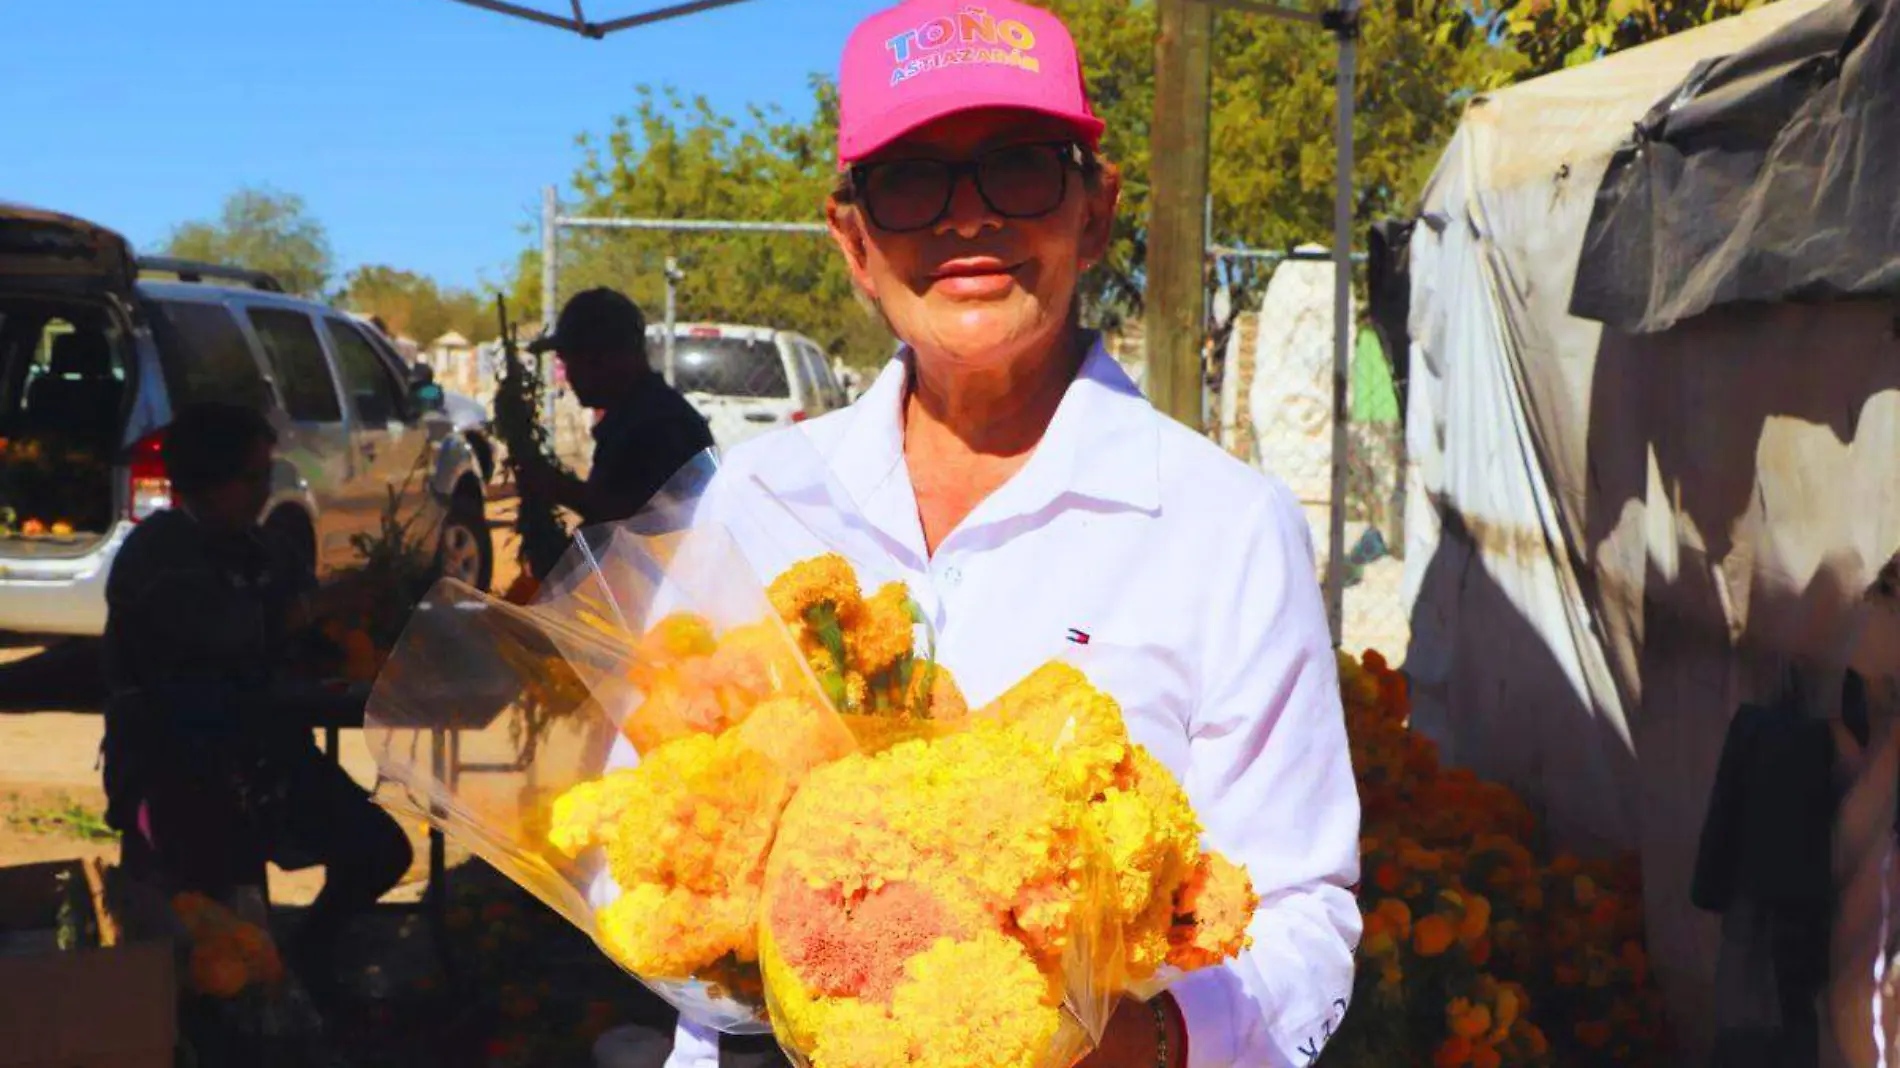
(1613, 540)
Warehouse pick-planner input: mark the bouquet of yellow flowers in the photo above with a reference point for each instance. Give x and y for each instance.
(777, 810)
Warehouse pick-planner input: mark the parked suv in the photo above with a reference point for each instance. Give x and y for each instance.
(747, 379)
(97, 352)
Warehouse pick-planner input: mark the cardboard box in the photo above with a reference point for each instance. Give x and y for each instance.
(72, 993)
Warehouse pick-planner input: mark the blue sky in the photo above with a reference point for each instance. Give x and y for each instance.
(419, 131)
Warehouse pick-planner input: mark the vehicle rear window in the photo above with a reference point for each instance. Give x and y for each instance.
(296, 357)
(205, 355)
(728, 367)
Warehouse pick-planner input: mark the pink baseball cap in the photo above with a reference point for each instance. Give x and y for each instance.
(915, 63)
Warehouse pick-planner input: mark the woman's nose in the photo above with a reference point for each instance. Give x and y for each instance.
(969, 213)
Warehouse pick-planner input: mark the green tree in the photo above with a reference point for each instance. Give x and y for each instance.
(261, 230)
(674, 158)
(1554, 34)
(415, 306)
(1271, 140)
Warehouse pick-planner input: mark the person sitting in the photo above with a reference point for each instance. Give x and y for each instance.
(210, 766)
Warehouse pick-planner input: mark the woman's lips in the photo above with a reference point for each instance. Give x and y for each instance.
(974, 277)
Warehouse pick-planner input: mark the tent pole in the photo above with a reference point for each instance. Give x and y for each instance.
(550, 286)
(1344, 24)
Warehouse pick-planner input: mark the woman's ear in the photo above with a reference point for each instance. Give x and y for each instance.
(847, 231)
(1098, 224)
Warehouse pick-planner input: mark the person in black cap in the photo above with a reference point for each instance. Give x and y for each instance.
(647, 431)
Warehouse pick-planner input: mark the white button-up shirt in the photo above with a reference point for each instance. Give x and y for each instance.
(1182, 582)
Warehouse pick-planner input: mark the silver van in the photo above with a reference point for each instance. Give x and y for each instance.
(97, 349)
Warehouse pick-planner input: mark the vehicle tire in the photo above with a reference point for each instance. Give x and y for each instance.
(466, 551)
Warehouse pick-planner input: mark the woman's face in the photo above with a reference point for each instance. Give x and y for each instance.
(976, 288)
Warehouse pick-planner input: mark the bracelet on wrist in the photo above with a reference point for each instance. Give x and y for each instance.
(1158, 1007)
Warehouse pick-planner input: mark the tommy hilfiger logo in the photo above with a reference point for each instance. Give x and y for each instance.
(1079, 637)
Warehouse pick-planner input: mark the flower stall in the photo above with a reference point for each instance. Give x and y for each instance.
(1478, 949)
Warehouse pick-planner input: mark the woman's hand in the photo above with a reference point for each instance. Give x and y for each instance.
(1133, 1040)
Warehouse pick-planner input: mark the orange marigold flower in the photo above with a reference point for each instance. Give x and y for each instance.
(1388, 877)
(1396, 915)
(1468, 1020)
(1454, 1053)
(217, 969)
(1606, 913)
(1220, 902)
(1433, 935)
(822, 580)
(1485, 1057)
(1636, 961)
(1480, 952)
(881, 633)
(1476, 920)
(1511, 1001)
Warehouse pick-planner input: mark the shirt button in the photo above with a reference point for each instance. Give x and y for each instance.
(953, 577)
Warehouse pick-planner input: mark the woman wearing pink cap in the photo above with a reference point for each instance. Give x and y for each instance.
(1038, 506)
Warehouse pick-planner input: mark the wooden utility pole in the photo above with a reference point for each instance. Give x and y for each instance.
(1176, 311)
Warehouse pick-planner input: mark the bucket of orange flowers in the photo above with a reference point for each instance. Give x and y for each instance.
(239, 1005)
(1476, 950)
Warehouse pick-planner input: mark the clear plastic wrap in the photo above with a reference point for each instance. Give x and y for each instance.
(621, 747)
(761, 795)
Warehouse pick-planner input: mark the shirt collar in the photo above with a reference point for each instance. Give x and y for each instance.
(1103, 445)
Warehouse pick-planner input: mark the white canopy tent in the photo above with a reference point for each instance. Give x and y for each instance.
(1617, 534)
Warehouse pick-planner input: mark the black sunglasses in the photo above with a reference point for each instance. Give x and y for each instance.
(1022, 181)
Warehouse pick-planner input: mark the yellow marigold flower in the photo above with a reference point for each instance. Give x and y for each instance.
(665, 933)
(680, 636)
(687, 832)
(1152, 839)
(823, 580)
(861, 1035)
(977, 1004)
(1057, 706)
(588, 814)
(753, 662)
(881, 632)
(795, 734)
